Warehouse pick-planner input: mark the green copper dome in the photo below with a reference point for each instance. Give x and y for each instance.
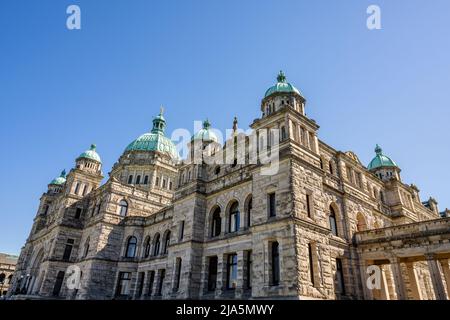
(282, 86)
(380, 160)
(91, 154)
(155, 140)
(60, 180)
(205, 134)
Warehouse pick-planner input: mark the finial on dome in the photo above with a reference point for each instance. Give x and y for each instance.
(63, 173)
(206, 124)
(235, 123)
(161, 110)
(281, 77)
(378, 150)
(93, 147)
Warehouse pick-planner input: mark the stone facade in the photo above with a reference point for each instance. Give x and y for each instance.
(7, 267)
(226, 231)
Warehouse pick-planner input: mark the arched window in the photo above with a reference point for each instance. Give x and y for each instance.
(130, 179)
(131, 247)
(86, 247)
(147, 247)
(146, 180)
(361, 224)
(156, 245)
(84, 189)
(248, 211)
(138, 179)
(233, 219)
(157, 182)
(330, 167)
(2, 278)
(123, 205)
(166, 242)
(333, 225)
(216, 223)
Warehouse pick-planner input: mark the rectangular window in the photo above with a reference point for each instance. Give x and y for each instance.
(272, 204)
(181, 234)
(311, 263)
(177, 274)
(123, 284)
(308, 205)
(78, 213)
(249, 270)
(232, 271)
(275, 264)
(141, 278)
(340, 277)
(162, 275)
(68, 249)
(151, 281)
(212, 274)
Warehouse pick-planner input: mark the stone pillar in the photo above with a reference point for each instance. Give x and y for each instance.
(414, 282)
(436, 279)
(384, 285)
(446, 271)
(400, 287)
(368, 294)
(221, 274)
(240, 275)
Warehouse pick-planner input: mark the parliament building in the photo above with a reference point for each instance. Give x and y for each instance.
(323, 226)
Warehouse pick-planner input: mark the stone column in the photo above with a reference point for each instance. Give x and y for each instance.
(436, 279)
(368, 294)
(414, 282)
(384, 286)
(400, 287)
(446, 271)
(221, 274)
(240, 274)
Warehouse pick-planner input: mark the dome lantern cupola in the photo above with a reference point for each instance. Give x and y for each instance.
(91, 154)
(383, 166)
(205, 134)
(282, 94)
(59, 180)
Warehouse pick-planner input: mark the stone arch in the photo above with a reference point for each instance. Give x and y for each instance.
(334, 219)
(215, 221)
(232, 205)
(166, 241)
(361, 222)
(156, 244)
(146, 247)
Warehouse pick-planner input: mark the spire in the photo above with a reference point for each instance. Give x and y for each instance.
(235, 123)
(281, 78)
(378, 150)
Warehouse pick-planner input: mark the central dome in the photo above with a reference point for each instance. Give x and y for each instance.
(155, 140)
(282, 86)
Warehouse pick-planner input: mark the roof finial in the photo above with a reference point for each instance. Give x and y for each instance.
(378, 150)
(93, 146)
(206, 124)
(161, 110)
(235, 123)
(281, 77)
(63, 173)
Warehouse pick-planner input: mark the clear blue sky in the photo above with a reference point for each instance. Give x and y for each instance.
(62, 90)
